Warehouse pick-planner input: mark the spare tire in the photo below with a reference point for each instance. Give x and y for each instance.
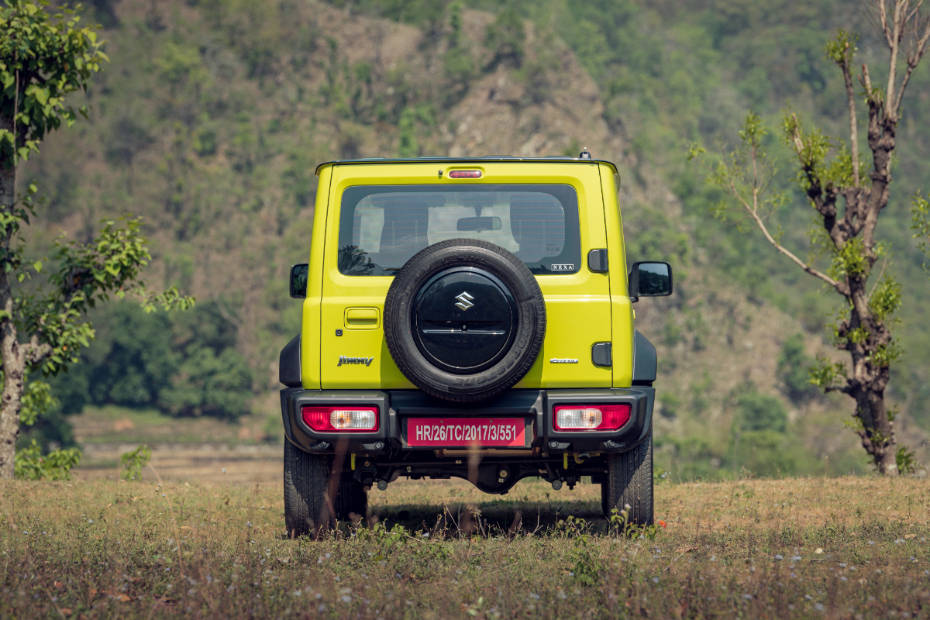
(464, 320)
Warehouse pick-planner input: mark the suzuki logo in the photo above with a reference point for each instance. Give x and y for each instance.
(465, 300)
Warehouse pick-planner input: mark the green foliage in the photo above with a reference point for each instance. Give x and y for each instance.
(43, 58)
(585, 566)
(505, 37)
(134, 461)
(130, 361)
(670, 404)
(842, 47)
(52, 430)
(744, 174)
(419, 12)
(885, 299)
(759, 412)
(920, 224)
(31, 464)
(819, 158)
(765, 453)
(208, 383)
(88, 274)
(692, 457)
(408, 145)
(885, 355)
(793, 370)
(184, 364)
(905, 460)
(37, 400)
(41, 419)
(850, 260)
(761, 444)
(828, 375)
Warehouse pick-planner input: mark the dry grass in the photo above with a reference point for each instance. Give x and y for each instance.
(785, 548)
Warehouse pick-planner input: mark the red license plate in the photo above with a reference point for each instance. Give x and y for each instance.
(465, 432)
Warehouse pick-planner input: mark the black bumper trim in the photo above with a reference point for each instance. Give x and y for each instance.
(395, 406)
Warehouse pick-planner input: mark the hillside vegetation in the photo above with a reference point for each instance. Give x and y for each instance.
(212, 115)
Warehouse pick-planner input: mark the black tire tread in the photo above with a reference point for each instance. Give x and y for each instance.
(306, 486)
(305, 480)
(629, 482)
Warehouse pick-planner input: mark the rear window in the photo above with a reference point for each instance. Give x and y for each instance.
(381, 226)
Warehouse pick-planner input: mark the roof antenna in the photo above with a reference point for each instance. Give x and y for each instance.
(585, 153)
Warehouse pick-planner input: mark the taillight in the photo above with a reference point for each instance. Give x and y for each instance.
(340, 419)
(590, 417)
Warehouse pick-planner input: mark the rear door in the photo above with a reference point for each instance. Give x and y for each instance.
(548, 214)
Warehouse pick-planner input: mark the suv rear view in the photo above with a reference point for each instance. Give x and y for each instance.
(468, 318)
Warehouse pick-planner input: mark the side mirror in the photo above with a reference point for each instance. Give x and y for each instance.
(650, 279)
(299, 280)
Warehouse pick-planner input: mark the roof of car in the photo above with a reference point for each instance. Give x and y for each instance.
(467, 160)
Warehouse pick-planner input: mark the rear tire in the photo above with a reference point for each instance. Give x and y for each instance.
(629, 483)
(307, 509)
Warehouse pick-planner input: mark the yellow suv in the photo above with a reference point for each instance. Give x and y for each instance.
(469, 318)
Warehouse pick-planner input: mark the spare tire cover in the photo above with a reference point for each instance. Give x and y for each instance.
(464, 320)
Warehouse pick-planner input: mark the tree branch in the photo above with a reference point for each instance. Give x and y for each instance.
(913, 59)
(893, 62)
(752, 209)
(851, 102)
(35, 351)
(883, 13)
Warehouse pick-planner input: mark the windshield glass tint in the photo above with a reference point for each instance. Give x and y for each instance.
(382, 226)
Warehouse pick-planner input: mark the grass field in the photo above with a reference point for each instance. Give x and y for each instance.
(846, 547)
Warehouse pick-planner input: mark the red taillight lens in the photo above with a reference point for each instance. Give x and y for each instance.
(590, 417)
(464, 174)
(341, 419)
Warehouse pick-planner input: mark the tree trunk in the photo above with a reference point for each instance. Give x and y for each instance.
(14, 367)
(877, 432)
(13, 364)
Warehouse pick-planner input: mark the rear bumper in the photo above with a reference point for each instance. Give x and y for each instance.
(397, 407)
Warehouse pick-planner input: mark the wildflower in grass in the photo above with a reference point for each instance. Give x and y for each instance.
(662, 524)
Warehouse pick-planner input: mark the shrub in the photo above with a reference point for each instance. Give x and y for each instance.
(794, 370)
(185, 365)
(31, 464)
(133, 462)
(760, 412)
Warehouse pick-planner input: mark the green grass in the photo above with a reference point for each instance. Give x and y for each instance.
(775, 548)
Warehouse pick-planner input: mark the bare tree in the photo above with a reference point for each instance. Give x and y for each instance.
(848, 194)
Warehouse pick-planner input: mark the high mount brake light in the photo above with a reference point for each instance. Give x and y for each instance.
(590, 417)
(464, 174)
(340, 419)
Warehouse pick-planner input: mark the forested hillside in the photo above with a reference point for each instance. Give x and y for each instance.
(211, 116)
